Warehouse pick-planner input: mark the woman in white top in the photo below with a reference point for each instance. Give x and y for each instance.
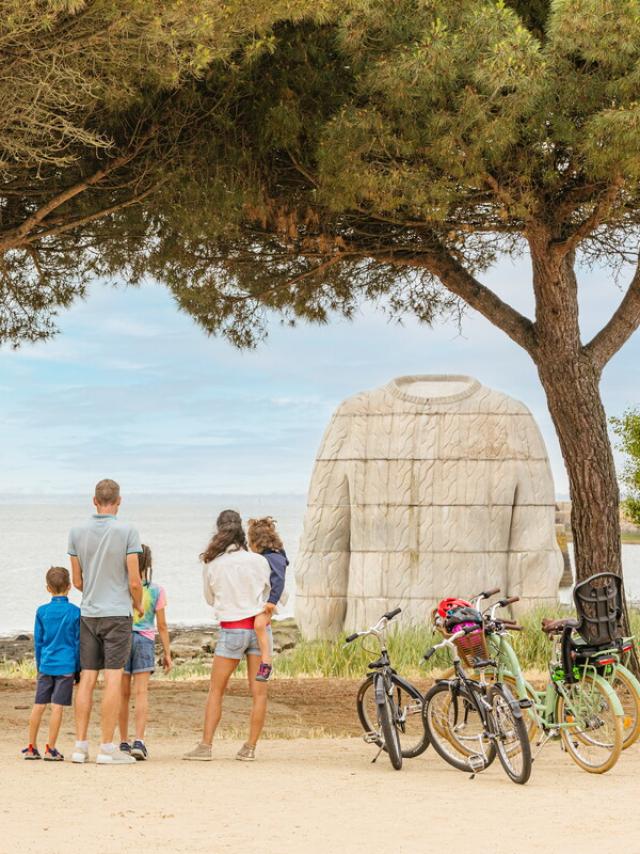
(236, 584)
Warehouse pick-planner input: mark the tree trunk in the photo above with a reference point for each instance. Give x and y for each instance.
(571, 380)
(570, 377)
(573, 396)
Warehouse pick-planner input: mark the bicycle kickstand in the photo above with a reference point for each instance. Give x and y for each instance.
(377, 754)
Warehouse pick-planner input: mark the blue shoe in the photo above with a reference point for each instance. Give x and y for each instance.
(53, 755)
(139, 750)
(125, 747)
(31, 752)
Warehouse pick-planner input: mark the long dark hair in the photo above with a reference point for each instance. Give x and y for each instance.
(229, 532)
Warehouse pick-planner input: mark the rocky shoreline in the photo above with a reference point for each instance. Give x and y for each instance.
(189, 644)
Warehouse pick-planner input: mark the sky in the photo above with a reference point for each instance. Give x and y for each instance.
(132, 389)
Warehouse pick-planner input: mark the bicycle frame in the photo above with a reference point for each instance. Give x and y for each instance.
(544, 702)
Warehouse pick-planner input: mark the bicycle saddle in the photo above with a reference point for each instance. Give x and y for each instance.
(550, 627)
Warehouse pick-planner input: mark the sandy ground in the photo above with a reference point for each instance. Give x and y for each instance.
(302, 795)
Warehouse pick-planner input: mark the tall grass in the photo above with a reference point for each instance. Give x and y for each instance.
(339, 660)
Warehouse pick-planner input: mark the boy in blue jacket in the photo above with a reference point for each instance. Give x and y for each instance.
(56, 640)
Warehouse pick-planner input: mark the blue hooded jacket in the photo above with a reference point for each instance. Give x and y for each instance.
(278, 562)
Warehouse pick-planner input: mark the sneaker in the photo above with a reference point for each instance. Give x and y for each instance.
(139, 750)
(118, 757)
(31, 752)
(264, 672)
(80, 755)
(125, 747)
(247, 753)
(53, 755)
(200, 753)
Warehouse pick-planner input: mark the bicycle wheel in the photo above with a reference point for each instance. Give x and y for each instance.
(512, 738)
(625, 687)
(387, 717)
(409, 701)
(594, 737)
(455, 730)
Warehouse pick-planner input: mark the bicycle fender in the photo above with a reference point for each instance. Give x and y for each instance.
(378, 690)
(630, 676)
(506, 693)
(613, 698)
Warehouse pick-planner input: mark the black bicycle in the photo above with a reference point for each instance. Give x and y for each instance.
(469, 721)
(389, 707)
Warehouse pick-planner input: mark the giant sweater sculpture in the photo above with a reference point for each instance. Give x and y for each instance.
(430, 486)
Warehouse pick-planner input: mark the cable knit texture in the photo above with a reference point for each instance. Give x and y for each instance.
(425, 488)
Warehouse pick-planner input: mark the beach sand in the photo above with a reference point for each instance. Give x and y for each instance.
(302, 795)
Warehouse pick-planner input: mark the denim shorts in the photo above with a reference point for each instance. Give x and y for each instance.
(236, 643)
(143, 655)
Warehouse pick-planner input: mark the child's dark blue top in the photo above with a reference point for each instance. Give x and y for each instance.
(278, 562)
(56, 637)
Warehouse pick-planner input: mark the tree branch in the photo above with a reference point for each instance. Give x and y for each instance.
(69, 225)
(601, 210)
(621, 326)
(15, 237)
(439, 262)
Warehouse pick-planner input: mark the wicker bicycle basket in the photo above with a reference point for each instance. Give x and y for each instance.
(470, 647)
(473, 646)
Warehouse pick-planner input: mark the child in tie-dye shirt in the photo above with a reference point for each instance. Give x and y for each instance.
(141, 662)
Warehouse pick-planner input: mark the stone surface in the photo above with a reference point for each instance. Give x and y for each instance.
(424, 488)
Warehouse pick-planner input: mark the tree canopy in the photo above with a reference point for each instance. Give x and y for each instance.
(425, 135)
(90, 124)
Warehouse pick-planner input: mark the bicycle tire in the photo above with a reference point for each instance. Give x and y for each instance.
(443, 710)
(586, 711)
(387, 719)
(412, 743)
(512, 737)
(625, 686)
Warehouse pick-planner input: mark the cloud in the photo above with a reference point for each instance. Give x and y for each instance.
(133, 386)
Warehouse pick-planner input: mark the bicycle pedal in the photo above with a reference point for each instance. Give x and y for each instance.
(371, 738)
(525, 704)
(476, 762)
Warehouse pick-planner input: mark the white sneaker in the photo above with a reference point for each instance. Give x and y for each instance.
(80, 755)
(118, 757)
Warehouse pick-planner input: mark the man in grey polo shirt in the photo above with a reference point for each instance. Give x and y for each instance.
(104, 562)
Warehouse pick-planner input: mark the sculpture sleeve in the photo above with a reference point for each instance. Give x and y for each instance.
(322, 575)
(535, 561)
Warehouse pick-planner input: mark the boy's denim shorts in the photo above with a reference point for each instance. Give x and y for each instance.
(236, 643)
(143, 655)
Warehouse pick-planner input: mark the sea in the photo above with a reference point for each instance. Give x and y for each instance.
(33, 537)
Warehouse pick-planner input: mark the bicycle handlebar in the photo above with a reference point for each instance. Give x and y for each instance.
(450, 641)
(485, 594)
(379, 627)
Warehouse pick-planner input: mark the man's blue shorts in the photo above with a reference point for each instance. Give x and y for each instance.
(143, 655)
(54, 689)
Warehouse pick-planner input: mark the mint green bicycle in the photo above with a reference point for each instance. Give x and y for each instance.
(577, 705)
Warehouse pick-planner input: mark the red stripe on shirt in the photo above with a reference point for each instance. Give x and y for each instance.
(247, 623)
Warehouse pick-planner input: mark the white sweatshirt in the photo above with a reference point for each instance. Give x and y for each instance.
(236, 584)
